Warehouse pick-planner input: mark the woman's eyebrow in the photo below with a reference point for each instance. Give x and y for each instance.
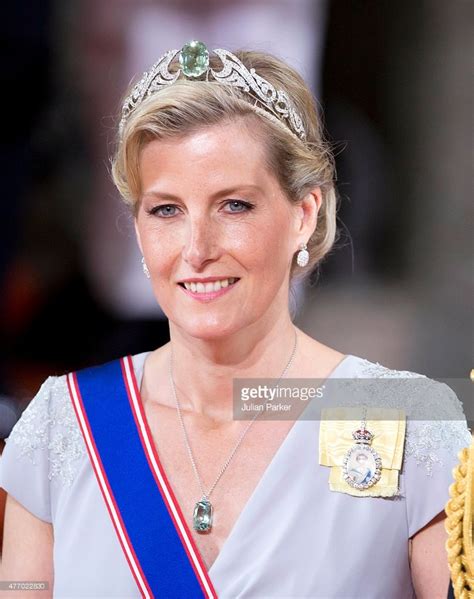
(162, 195)
(242, 188)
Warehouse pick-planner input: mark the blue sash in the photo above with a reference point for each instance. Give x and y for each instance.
(152, 532)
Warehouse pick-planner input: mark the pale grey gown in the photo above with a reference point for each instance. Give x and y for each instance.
(294, 537)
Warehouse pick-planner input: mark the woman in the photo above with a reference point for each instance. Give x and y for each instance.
(135, 478)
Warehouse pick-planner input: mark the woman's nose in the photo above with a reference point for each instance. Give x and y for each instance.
(200, 244)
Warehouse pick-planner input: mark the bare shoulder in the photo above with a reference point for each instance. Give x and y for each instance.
(153, 386)
(158, 356)
(317, 359)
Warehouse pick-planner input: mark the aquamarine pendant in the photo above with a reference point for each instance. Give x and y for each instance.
(202, 516)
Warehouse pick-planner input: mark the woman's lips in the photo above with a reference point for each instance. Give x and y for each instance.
(208, 296)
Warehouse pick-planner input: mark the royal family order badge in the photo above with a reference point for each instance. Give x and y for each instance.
(363, 447)
(362, 465)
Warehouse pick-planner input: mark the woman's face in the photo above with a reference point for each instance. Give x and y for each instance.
(211, 211)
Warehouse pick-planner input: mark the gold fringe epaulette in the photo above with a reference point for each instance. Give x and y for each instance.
(459, 525)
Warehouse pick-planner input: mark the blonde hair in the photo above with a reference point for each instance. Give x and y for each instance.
(187, 106)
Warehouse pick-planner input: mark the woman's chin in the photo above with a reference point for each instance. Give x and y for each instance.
(210, 330)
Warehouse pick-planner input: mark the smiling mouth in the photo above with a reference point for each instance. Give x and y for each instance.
(209, 287)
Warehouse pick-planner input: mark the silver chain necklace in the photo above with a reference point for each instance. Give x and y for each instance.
(203, 509)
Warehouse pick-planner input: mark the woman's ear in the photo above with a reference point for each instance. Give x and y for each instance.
(308, 209)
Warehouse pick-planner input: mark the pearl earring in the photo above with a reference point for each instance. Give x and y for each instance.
(302, 258)
(146, 272)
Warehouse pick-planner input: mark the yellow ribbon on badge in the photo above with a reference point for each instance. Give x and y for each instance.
(335, 440)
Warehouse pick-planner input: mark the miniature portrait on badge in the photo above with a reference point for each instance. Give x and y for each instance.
(361, 467)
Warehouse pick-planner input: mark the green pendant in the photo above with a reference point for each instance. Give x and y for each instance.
(194, 59)
(202, 516)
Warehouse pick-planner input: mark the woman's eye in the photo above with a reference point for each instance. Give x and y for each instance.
(170, 210)
(239, 206)
(164, 211)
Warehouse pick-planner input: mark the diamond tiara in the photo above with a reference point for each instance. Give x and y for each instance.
(194, 62)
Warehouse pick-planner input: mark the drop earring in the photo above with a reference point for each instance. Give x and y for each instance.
(146, 272)
(302, 258)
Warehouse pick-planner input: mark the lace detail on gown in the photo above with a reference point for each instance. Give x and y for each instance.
(50, 424)
(435, 418)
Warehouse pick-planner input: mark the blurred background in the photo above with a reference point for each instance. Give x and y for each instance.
(393, 79)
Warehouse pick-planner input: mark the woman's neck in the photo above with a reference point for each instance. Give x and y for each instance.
(203, 370)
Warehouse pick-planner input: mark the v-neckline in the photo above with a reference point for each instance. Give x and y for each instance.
(138, 371)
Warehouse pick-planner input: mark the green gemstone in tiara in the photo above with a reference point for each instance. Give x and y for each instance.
(194, 59)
